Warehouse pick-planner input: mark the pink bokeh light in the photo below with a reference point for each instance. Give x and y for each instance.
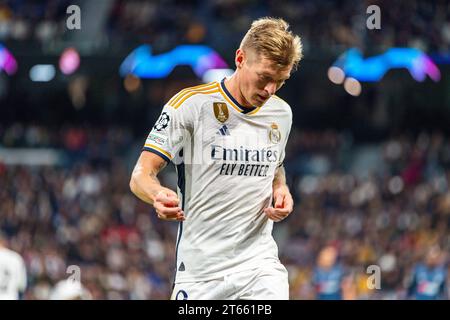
(69, 61)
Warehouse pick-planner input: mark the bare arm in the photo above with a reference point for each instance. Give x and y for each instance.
(144, 182)
(146, 186)
(283, 202)
(280, 178)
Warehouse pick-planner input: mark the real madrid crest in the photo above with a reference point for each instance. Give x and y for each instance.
(274, 133)
(221, 111)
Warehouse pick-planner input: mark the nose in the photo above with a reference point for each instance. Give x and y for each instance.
(271, 87)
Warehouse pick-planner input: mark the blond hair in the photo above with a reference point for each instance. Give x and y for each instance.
(271, 38)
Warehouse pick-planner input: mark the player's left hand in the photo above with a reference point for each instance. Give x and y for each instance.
(283, 204)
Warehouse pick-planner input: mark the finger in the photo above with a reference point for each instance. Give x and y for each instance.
(279, 201)
(277, 211)
(276, 214)
(162, 208)
(289, 203)
(270, 213)
(162, 217)
(179, 216)
(169, 201)
(282, 211)
(167, 198)
(274, 217)
(172, 196)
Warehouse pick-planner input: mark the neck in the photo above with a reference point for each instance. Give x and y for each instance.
(232, 84)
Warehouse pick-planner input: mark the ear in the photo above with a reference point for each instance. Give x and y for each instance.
(239, 60)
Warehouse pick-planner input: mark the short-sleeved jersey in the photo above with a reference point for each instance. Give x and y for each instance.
(328, 282)
(13, 275)
(226, 157)
(428, 283)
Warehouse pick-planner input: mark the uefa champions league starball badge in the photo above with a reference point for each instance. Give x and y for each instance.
(162, 122)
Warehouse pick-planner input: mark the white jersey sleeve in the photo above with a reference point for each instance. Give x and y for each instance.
(170, 132)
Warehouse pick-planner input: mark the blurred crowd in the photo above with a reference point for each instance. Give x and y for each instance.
(86, 216)
(322, 24)
(358, 204)
(77, 142)
(384, 204)
(326, 24)
(390, 212)
(25, 20)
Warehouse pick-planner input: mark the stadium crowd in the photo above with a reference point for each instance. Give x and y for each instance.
(388, 211)
(164, 24)
(385, 204)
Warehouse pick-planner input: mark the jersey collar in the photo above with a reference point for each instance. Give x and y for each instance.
(240, 107)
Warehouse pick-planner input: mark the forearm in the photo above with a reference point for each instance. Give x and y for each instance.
(145, 185)
(279, 179)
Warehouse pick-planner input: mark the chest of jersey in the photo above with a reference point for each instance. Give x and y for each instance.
(236, 144)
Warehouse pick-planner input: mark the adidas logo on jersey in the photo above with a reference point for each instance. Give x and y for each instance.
(224, 131)
(181, 267)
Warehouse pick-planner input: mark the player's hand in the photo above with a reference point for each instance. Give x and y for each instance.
(283, 204)
(167, 207)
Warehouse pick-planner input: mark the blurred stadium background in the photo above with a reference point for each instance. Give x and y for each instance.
(368, 160)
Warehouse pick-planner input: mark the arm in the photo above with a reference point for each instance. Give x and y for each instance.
(283, 202)
(146, 186)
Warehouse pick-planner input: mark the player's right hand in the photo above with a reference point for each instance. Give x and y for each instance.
(167, 207)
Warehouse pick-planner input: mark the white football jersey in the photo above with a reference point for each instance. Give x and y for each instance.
(226, 157)
(13, 275)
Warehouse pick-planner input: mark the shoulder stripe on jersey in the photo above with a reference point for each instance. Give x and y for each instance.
(151, 146)
(190, 88)
(182, 97)
(183, 92)
(191, 93)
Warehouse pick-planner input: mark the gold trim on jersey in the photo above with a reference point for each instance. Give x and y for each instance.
(191, 93)
(229, 100)
(151, 146)
(200, 88)
(187, 89)
(254, 111)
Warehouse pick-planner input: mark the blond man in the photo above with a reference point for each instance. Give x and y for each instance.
(227, 140)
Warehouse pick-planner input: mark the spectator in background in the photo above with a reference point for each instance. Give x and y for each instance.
(429, 279)
(329, 278)
(53, 215)
(13, 274)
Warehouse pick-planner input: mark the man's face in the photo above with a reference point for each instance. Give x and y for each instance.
(260, 78)
(433, 257)
(327, 257)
